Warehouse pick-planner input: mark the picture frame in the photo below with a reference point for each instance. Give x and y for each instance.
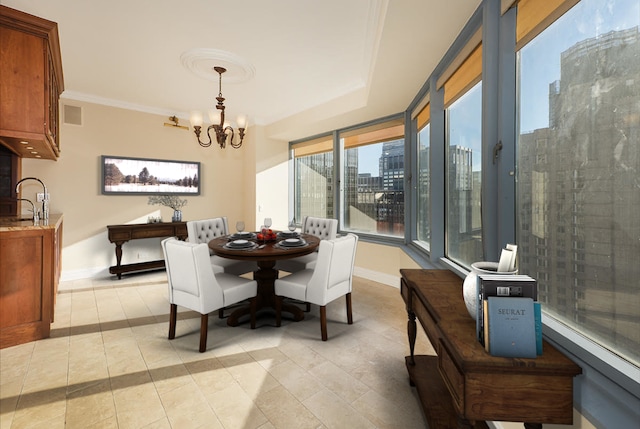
(147, 176)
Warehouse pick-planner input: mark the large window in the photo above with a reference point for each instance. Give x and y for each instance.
(313, 173)
(424, 177)
(372, 186)
(578, 167)
(463, 103)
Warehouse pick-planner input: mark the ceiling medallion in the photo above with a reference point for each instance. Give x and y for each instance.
(201, 62)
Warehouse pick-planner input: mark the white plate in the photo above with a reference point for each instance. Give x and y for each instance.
(293, 242)
(242, 235)
(247, 245)
(239, 242)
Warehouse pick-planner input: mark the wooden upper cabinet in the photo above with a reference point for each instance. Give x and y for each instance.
(31, 82)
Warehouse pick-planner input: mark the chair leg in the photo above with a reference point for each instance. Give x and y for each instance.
(323, 322)
(221, 313)
(308, 307)
(204, 322)
(252, 310)
(173, 313)
(278, 311)
(349, 313)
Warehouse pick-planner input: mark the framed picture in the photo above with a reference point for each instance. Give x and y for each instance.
(144, 176)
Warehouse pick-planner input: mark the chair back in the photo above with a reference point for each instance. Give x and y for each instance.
(192, 283)
(325, 229)
(333, 273)
(203, 231)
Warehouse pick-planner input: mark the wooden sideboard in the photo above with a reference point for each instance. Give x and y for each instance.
(120, 234)
(463, 386)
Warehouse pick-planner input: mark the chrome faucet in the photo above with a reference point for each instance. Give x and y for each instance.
(45, 199)
(36, 216)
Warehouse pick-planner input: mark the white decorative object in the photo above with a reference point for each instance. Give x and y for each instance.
(469, 286)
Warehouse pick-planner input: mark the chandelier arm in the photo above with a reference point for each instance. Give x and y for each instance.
(236, 145)
(241, 135)
(232, 141)
(230, 133)
(198, 130)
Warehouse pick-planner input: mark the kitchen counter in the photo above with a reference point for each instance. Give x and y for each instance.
(24, 223)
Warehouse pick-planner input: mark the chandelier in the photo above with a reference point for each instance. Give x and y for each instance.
(223, 131)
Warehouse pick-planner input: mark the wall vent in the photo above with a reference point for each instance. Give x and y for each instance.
(72, 115)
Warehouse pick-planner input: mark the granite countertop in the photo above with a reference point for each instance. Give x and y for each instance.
(8, 223)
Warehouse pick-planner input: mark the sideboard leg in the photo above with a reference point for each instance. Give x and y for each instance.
(411, 332)
(464, 423)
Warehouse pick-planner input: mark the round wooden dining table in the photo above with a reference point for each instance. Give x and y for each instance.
(266, 254)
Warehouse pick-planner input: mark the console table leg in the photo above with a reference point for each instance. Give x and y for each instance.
(119, 257)
(411, 332)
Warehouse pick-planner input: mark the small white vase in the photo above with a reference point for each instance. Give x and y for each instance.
(469, 286)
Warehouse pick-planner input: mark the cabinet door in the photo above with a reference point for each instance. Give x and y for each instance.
(22, 82)
(25, 285)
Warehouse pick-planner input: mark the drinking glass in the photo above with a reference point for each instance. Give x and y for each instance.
(240, 226)
(267, 222)
(292, 225)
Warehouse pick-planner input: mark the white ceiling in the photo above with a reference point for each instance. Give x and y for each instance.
(328, 61)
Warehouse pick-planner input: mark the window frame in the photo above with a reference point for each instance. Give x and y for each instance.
(339, 144)
(415, 130)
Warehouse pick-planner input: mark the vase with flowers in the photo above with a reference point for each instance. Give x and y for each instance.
(171, 201)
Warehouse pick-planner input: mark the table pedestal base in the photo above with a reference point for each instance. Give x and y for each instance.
(266, 276)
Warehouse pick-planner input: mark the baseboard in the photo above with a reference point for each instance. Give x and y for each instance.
(376, 276)
(87, 273)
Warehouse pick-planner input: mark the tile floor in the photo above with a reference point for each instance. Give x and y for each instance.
(109, 364)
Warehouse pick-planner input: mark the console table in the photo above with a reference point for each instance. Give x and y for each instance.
(463, 386)
(120, 234)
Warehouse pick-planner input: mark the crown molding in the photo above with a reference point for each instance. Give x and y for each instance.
(90, 98)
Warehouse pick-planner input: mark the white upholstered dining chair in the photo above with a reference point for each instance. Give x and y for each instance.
(323, 228)
(330, 279)
(203, 231)
(194, 285)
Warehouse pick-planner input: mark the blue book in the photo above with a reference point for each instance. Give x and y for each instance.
(537, 312)
(512, 327)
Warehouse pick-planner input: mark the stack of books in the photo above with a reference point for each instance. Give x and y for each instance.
(509, 320)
